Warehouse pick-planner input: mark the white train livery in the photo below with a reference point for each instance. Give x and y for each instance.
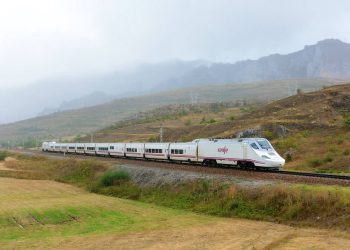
(245, 153)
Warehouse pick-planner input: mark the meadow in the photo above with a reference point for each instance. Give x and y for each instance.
(66, 214)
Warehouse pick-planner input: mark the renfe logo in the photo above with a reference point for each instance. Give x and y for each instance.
(223, 150)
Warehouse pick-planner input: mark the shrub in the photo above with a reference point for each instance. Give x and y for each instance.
(267, 134)
(289, 157)
(315, 162)
(112, 177)
(346, 122)
(188, 122)
(346, 152)
(328, 158)
(286, 143)
(232, 118)
(211, 121)
(3, 155)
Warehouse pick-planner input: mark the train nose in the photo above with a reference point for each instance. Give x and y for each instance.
(277, 162)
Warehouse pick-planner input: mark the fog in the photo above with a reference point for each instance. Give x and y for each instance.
(44, 41)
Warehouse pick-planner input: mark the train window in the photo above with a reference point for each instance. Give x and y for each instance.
(176, 151)
(181, 151)
(254, 146)
(161, 151)
(172, 151)
(135, 149)
(264, 144)
(111, 147)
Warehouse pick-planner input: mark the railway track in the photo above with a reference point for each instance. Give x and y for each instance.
(319, 175)
(288, 176)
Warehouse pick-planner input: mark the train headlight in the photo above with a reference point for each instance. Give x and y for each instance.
(265, 157)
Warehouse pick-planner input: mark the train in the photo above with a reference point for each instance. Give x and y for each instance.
(246, 153)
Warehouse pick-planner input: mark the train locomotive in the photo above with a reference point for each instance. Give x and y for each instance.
(246, 153)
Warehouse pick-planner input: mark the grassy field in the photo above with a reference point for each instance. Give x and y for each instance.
(40, 214)
(304, 205)
(32, 212)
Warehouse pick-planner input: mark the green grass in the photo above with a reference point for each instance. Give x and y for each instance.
(34, 212)
(300, 204)
(64, 221)
(111, 177)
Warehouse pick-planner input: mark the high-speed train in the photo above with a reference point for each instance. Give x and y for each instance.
(246, 153)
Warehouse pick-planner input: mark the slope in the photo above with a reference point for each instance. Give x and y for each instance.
(311, 130)
(80, 121)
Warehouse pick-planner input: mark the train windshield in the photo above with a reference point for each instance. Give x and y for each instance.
(264, 144)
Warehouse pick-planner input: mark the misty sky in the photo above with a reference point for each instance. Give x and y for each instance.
(46, 38)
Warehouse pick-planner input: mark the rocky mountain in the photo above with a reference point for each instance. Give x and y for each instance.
(90, 100)
(329, 58)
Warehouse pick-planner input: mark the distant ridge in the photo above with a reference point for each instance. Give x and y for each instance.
(328, 58)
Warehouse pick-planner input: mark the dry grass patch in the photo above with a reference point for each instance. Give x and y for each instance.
(48, 215)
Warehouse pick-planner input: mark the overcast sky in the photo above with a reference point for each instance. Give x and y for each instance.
(48, 38)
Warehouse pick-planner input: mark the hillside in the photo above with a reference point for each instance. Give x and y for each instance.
(86, 120)
(311, 130)
(49, 95)
(329, 58)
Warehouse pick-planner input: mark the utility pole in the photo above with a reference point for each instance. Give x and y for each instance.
(92, 138)
(161, 134)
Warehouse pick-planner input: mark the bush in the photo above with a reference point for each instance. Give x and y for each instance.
(3, 155)
(315, 162)
(289, 157)
(268, 134)
(346, 122)
(328, 158)
(112, 177)
(346, 152)
(188, 122)
(286, 143)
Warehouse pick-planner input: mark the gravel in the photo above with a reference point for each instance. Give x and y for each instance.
(148, 176)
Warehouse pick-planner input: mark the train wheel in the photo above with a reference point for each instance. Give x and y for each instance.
(242, 165)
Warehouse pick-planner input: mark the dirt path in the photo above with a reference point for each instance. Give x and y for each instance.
(224, 234)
